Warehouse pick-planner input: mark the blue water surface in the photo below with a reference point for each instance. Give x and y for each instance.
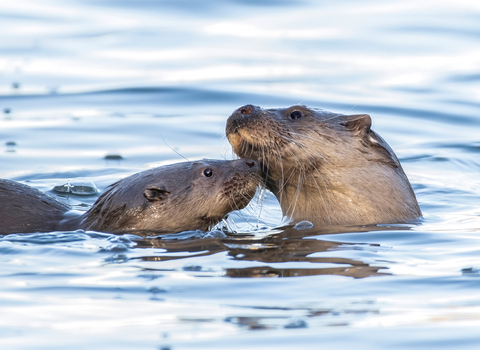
(103, 89)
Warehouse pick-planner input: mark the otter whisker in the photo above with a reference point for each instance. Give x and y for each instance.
(253, 214)
(327, 208)
(297, 194)
(309, 148)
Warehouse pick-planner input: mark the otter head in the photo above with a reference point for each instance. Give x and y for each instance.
(300, 136)
(324, 167)
(175, 198)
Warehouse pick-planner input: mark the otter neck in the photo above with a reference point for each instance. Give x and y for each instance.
(327, 198)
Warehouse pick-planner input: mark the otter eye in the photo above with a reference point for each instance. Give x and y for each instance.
(296, 115)
(208, 172)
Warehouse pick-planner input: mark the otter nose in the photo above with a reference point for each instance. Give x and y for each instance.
(246, 110)
(250, 163)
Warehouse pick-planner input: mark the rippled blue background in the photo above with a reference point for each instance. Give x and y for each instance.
(83, 79)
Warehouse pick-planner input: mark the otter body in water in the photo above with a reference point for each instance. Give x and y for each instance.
(327, 168)
(171, 198)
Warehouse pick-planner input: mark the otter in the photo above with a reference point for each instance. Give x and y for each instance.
(168, 199)
(324, 167)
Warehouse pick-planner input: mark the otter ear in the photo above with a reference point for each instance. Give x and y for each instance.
(153, 194)
(357, 123)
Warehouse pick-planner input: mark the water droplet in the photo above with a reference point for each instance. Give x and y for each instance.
(79, 185)
(215, 234)
(303, 225)
(115, 248)
(192, 268)
(297, 323)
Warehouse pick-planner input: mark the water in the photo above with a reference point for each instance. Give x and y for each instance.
(102, 89)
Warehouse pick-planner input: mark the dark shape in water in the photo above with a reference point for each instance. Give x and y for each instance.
(113, 157)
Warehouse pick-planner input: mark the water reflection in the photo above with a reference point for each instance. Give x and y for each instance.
(287, 246)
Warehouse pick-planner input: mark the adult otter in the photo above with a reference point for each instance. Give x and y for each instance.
(328, 168)
(171, 198)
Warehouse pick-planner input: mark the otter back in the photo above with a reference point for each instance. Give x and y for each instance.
(25, 209)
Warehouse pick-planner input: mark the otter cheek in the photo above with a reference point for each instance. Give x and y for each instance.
(235, 140)
(247, 136)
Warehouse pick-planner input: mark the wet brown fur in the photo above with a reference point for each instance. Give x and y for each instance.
(324, 167)
(18, 216)
(172, 198)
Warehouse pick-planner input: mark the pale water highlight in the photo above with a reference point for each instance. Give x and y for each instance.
(99, 90)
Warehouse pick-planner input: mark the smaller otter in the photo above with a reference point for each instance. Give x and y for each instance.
(324, 167)
(168, 199)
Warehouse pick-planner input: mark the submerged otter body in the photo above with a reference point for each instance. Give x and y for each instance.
(327, 168)
(171, 198)
(25, 209)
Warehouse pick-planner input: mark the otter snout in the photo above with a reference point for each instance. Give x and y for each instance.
(249, 165)
(246, 110)
(240, 117)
